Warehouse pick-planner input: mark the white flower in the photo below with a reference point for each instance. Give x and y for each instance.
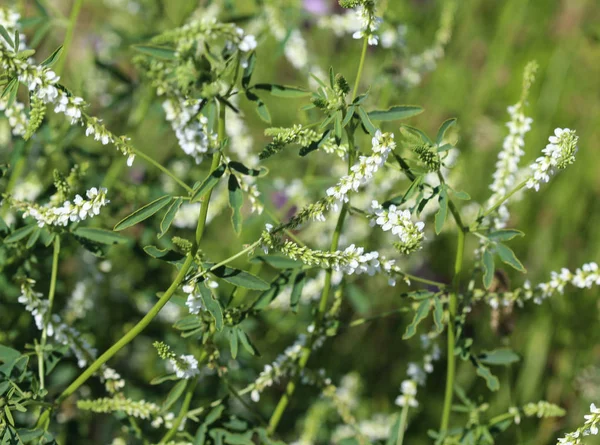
(248, 43)
(185, 366)
(409, 392)
(400, 223)
(558, 154)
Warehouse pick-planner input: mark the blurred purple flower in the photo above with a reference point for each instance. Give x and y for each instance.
(317, 7)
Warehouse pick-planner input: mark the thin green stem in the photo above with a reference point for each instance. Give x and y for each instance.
(361, 65)
(402, 425)
(451, 359)
(69, 35)
(131, 334)
(215, 163)
(437, 284)
(51, 293)
(162, 168)
(185, 406)
(502, 199)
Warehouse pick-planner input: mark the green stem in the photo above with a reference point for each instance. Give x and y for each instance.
(502, 199)
(402, 425)
(215, 163)
(451, 359)
(185, 406)
(134, 332)
(437, 284)
(361, 65)
(51, 293)
(69, 35)
(162, 168)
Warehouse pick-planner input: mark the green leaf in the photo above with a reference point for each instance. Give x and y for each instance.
(282, 90)
(299, 280)
(412, 131)
(174, 395)
(158, 52)
(10, 91)
(338, 126)
(349, 114)
(4, 33)
(509, 257)
(247, 344)
(490, 379)
(19, 234)
(489, 268)
(442, 213)
(17, 41)
(53, 58)
(240, 278)
(263, 111)
(143, 213)
(420, 315)
(248, 70)
(366, 121)
(233, 342)
(167, 220)
(241, 168)
(213, 415)
(395, 113)
(168, 255)
(236, 199)
(438, 315)
(443, 128)
(100, 235)
(504, 235)
(277, 261)
(276, 286)
(499, 357)
(461, 195)
(212, 305)
(208, 184)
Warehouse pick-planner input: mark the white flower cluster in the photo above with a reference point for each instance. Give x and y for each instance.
(584, 277)
(400, 223)
(590, 427)
(112, 380)
(369, 23)
(285, 364)
(191, 128)
(409, 394)
(417, 372)
(363, 171)
(55, 328)
(185, 366)
(558, 154)
(75, 211)
(507, 165)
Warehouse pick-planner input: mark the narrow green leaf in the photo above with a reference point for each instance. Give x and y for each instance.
(489, 268)
(167, 220)
(100, 235)
(241, 168)
(338, 126)
(247, 344)
(174, 395)
(19, 234)
(233, 341)
(438, 315)
(249, 69)
(395, 113)
(415, 132)
(164, 254)
(277, 285)
(208, 184)
(442, 213)
(143, 213)
(509, 257)
(499, 357)
(263, 111)
(212, 305)
(461, 195)
(443, 128)
(299, 280)
(504, 235)
(17, 41)
(420, 315)
(490, 379)
(364, 117)
(53, 58)
(349, 115)
(240, 278)
(283, 90)
(236, 199)
(158, 52)
(4, 33)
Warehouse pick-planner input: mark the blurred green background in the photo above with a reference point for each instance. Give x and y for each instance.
(478, 77)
